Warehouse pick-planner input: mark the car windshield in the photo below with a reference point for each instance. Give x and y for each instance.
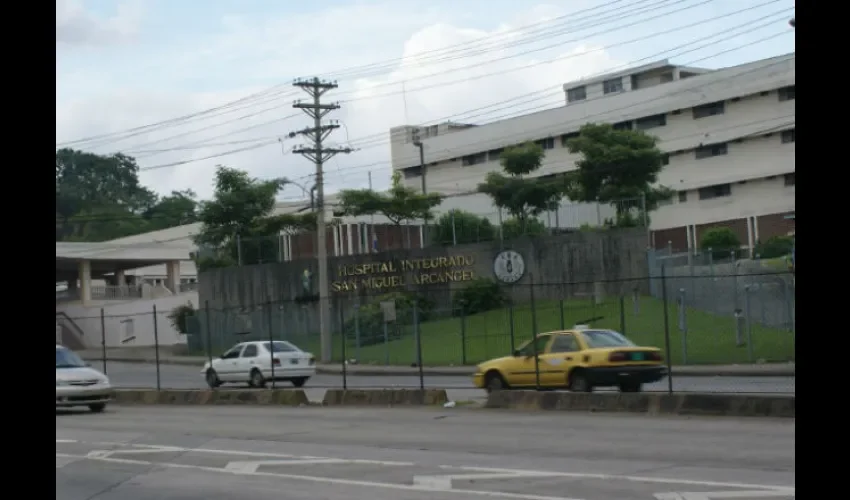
(605, 338)
(281, 346)
(67, 359)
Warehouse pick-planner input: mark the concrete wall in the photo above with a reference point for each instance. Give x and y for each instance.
(128, 324)
(238, 297)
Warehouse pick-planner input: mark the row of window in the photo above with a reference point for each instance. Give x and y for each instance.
(723, 190)
(643, 123)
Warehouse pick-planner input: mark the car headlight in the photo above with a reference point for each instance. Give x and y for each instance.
(104, 381)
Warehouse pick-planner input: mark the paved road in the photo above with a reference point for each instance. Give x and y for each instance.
(261, 453)
(189, 377)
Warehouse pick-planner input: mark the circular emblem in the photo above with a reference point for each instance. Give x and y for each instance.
(509, 266)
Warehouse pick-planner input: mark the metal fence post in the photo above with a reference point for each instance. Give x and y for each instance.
(103, 338)
(209, 331)
(683, 324)
(561, 312)
(418, 339)
(463, 336)
(454, 231)
(636, 300)
(156, 348)
(386, 342)
(750, 354)
(356, 332)
(344, 361)
(534, 335)
(622, 315)
(667, 352)
(271, 341)
(511, 322)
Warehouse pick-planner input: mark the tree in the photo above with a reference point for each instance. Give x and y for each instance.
(514, 228)
(177, 209)
(239, 221)
(524, 198)
(616, 165)
(399, 204)
(98, 197)
(462, 227)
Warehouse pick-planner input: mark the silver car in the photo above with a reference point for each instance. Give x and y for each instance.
(78, 384)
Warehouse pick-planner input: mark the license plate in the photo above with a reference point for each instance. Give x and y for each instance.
(294, 361)
(638, 356)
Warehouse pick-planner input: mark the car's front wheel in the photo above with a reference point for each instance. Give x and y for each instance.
(494, 382)
(578, 382)
(97, 407)
(212, 379)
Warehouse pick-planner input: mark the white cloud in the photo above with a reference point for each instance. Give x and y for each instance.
(276, 50)
(77, 26)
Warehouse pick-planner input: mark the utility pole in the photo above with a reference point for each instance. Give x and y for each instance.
(319, 154)
(418, 144)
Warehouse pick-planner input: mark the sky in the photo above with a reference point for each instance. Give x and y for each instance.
(185, 86)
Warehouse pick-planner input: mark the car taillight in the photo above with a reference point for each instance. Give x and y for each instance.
(617, 356)
(654, 356)
(312, 361)
(276, 361)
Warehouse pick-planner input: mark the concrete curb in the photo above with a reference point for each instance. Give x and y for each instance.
(784, 370)
(207, 397)
(729, 405)
(385, 397)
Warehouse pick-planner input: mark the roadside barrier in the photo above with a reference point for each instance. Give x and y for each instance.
(209, 397)
(385, 397)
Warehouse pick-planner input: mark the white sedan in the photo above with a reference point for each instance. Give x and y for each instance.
(77, 384)
(259, 362)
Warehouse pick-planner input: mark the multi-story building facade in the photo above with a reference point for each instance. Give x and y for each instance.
(728, 135)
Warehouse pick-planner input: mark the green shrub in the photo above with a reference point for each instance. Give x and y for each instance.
(514, 228)
(482, 294)
(181, 317)
(370, 319)
(778, 246)
(721, 241)
(465, 227)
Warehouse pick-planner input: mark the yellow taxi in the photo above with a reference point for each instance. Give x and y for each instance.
(578, 359)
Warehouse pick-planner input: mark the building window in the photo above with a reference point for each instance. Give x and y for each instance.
(788, 136)
(411, 172)
(648, 122)
(790, 179)
(622, 126)
(716, 191)
(711, 150)
(666, 77)
(711, 109)
(495, 154)
(683, 196)
(577, 94)
(786, 93)
(547, 143)
(566, 137)
(612, 85)
(474, 159)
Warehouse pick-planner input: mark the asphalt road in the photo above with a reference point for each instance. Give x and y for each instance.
(136, 375)
(221, 453)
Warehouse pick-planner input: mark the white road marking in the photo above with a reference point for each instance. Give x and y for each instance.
(323, 480)
(245, 467)
(445, 482)
(712, 495)
(637, 479)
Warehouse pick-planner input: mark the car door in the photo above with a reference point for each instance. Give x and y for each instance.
(560, 357)
(521, 369)
(226, 366)
(246, 362)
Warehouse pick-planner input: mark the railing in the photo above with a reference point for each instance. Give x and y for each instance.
(106, 292)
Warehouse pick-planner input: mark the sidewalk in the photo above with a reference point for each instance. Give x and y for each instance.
(148, 356)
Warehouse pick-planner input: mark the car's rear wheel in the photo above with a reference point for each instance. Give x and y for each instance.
(578, 382)
(97, 407)
(212, 379)
(257, 379)
(300, 381)
(494, 382)
(631, 387)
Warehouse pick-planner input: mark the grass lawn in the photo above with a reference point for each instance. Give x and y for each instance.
(710, 338)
